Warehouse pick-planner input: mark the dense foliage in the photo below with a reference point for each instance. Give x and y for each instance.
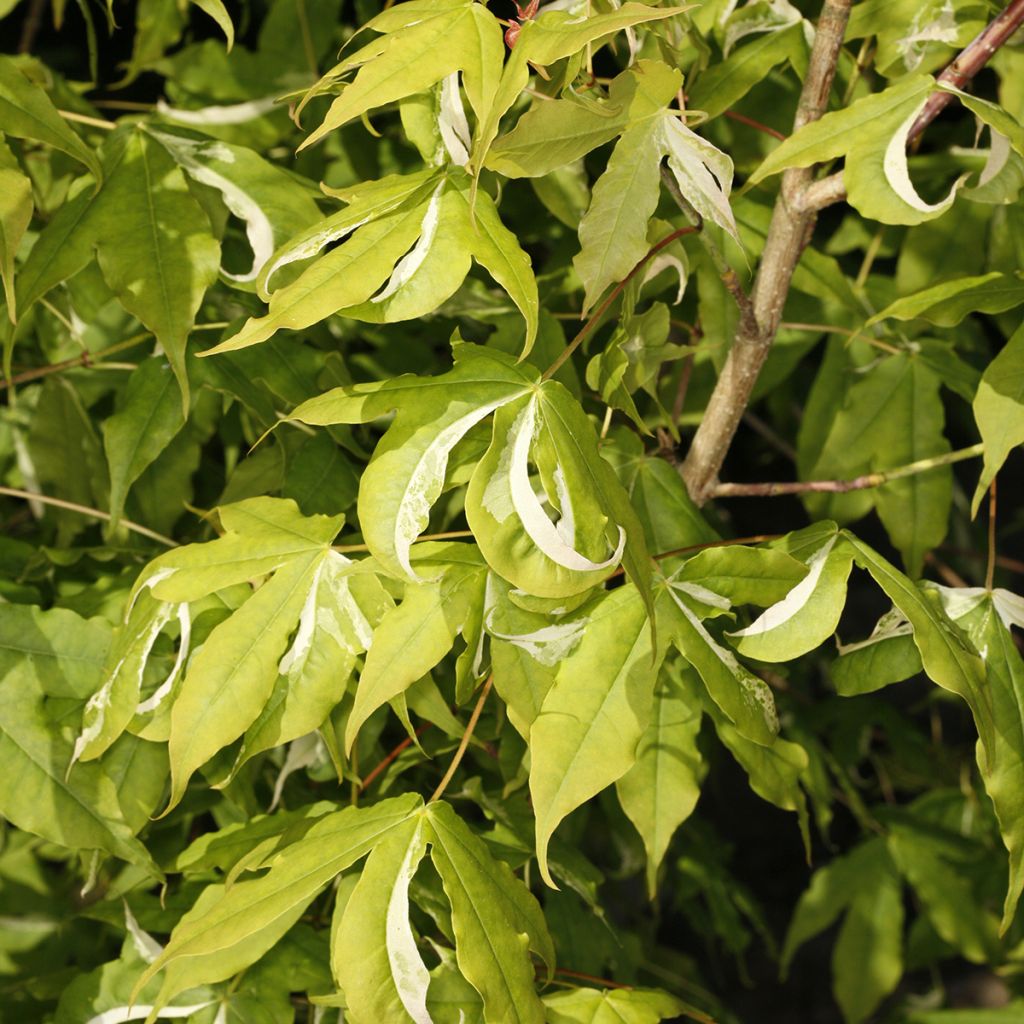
(377, 640)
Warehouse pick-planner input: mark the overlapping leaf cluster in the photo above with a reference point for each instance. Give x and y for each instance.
(371, 650)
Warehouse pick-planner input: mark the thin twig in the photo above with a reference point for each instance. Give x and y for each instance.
(596, 317)
(93, 122)
(859, 483)
(779, 443)
(990, 569)
(88, 358)
(84, 510)
(464, 742)
(751, 123)
(404, 745)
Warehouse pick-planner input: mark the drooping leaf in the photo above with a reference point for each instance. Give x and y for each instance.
(947, 658)
(494, 917)
(743, 698)
(999, 410)
(661, 789)
(153, 242)
(586, 735)
(867, 959)
(373, 949)
(1001, 768)
(27, 113)
(948, 303)
(147, 421)
(15, 214)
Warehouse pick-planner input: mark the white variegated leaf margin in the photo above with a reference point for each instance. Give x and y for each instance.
(782, 611)
(755, 689)
(233, 113)
(427, 480)
(897, 171)
(140, 1011)
(554, 541)
(959, 601)
(891, 625)
(190, 155)
(410, 974)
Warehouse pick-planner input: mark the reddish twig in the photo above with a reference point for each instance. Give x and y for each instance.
(404, 745)
(751, 123)
(974, 56)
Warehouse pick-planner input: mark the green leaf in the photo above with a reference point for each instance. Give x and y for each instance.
(149, 418)
(338, 622)
(999, 410)
(410, 251)
(412, 638)
(867, 961)
(259, 536)
(81, 812)
(229, 928)
(495, 920)
(423, 43)
(744, 575)
(893, 416)
(808, 614)
(63, 248)
(373, 949)
(597, 525)
(989, 630)
(613, 232)
(871, 133)
(153, 242)
(586, 735)
(216, 10)
(16, 208)
(271, 203)
(112, 706)
(65, 453)
(27, 113)
(947, 896)
(660, 791)
(743, 698)
(948, 660)
(556, 133)
(615, 1006)
(721, 86)
(889, 655)
(55, 652)
(948, 303)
